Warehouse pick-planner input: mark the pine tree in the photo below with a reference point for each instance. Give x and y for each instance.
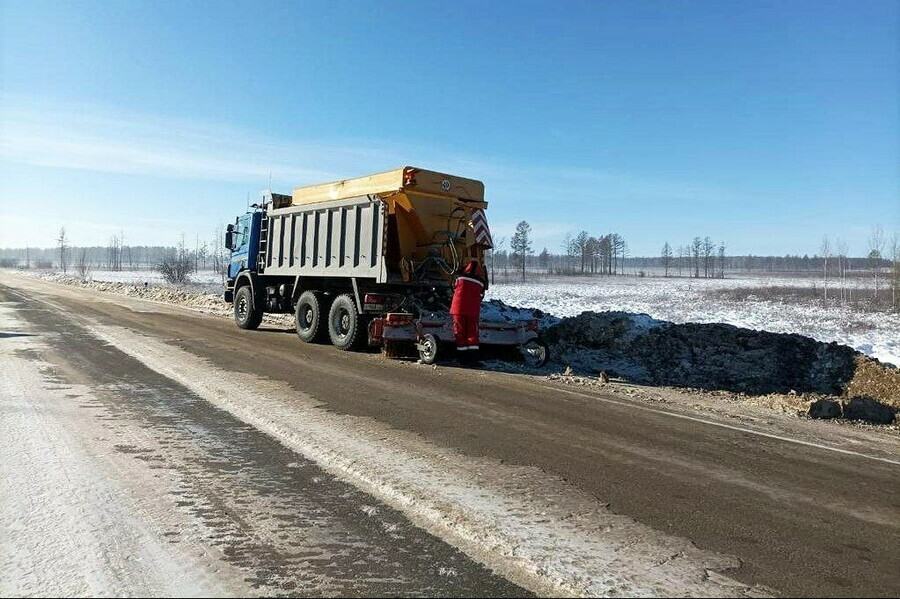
(521, 244)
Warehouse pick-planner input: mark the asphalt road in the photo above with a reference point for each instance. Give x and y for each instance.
(802, 519)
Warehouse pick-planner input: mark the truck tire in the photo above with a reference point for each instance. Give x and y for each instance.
(246, 314)
(311, 325)
(535, 352)
(429, 349)
(345, 326)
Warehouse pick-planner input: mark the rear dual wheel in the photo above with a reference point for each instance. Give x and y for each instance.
(309, 314)
(346, 326)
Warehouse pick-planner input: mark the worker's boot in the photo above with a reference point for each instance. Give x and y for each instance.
(465, 357)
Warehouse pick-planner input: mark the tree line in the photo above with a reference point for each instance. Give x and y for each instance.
(581, 254)
(175, 261)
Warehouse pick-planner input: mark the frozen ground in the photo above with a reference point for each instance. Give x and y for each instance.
(690, 300)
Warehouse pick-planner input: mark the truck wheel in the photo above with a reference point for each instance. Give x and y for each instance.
(246, 315)
(345, 326)
(310, 322)
(428, 347)
(535, 352)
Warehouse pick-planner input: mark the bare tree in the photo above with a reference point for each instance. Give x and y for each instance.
(581, 245)
(696, 249)
(684, 257)
(666, 257)
(620, 249)
(895, 271)
(841, 249)
(177, 266)
(83, 265)
(721, 274)
(114, 253)
(826, 253)
(217, 253)
(876, 247)
(593, 252)
(568, 248)
(521, 245)
(708, 247)
(605, 254)
(62, 245)
(498, 247)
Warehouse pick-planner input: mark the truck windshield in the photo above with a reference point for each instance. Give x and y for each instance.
(241, 233)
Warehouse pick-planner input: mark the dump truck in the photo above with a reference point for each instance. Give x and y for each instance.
(368, 261)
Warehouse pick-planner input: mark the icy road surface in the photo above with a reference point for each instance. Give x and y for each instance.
(120, 482)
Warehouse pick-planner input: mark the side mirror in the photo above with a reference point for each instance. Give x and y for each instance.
(228, 238)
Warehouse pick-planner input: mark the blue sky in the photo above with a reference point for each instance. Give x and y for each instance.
(763, 124)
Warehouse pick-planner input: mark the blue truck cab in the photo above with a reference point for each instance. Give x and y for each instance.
(242, 238)
(245, 243)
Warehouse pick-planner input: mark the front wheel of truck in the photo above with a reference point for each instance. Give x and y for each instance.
(345, 326)
(246, 314)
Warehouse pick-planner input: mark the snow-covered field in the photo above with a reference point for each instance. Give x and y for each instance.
(691, 300)
(204, 279)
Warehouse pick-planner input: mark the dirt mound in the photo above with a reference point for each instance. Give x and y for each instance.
(724, 357)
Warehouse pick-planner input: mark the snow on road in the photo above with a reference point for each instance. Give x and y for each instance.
(691, 300)
(67, 525)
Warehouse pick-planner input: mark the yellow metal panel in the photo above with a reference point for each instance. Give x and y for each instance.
(446, 185)
(405, 178)
(376, 184)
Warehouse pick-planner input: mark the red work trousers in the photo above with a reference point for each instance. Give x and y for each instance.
(465, 329)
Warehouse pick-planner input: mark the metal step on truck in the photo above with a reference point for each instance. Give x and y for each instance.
(368, 261)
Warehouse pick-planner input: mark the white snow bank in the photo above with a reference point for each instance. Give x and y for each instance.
(688, 300)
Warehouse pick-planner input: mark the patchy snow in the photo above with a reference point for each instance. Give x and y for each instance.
(73, 521)
(689, 300)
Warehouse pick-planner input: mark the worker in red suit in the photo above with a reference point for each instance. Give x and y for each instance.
(465, 308)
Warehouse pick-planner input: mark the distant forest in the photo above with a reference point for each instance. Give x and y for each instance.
(116, 258)
(580, 254)
(112, 258)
